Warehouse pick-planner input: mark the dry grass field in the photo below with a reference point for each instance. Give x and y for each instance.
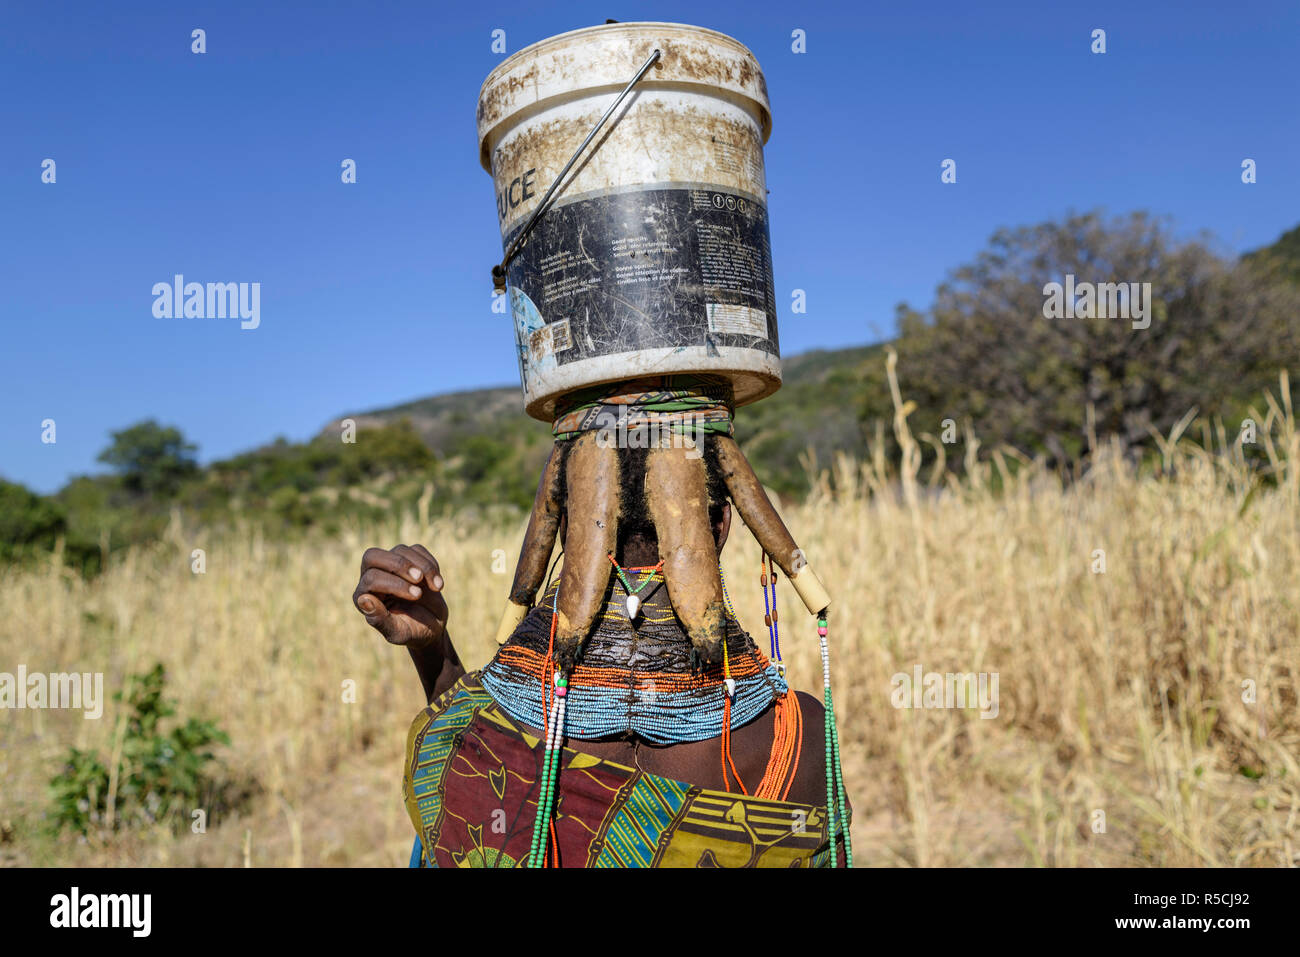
(1121, 692)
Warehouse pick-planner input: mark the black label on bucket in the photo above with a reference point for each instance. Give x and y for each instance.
(644, 269)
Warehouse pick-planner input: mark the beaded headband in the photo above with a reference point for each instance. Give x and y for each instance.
(691, 404)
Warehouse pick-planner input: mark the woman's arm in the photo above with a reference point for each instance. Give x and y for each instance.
(437, 665)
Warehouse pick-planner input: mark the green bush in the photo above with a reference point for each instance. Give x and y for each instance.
(161, 777)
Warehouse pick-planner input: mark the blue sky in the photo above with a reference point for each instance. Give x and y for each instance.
(225, 166)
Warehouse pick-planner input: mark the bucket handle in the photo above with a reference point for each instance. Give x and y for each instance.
(499, 270)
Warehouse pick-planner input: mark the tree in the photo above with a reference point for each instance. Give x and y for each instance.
(151, 459)
(27, 521)
(1218, 331)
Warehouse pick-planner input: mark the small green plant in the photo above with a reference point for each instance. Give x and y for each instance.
(160, 777)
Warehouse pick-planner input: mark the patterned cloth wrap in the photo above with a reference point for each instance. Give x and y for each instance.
(682, 404)
(471, 788)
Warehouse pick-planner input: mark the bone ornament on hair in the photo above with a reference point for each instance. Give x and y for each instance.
(761, 518)
(592, 503)
(677, 495)
(677, 499)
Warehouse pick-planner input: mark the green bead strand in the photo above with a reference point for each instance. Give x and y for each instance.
(542, 810)
(840, 788)
(830, 787)
(836, 796)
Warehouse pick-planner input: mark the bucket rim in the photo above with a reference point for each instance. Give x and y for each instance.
(569, 34)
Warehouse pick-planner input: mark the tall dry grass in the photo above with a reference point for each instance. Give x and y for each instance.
(1123, 734)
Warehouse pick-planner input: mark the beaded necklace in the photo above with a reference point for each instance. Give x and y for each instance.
(769, 610)
(634, 603)
(836, 808)
(635, 687)
(551, 757)
(729, 683)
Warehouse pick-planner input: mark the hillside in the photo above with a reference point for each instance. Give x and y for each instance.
(1284, 254)
(444, 420)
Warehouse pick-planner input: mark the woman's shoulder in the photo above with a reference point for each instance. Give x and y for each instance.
(810, 705)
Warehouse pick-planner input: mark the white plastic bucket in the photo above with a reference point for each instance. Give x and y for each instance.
(654, 256)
